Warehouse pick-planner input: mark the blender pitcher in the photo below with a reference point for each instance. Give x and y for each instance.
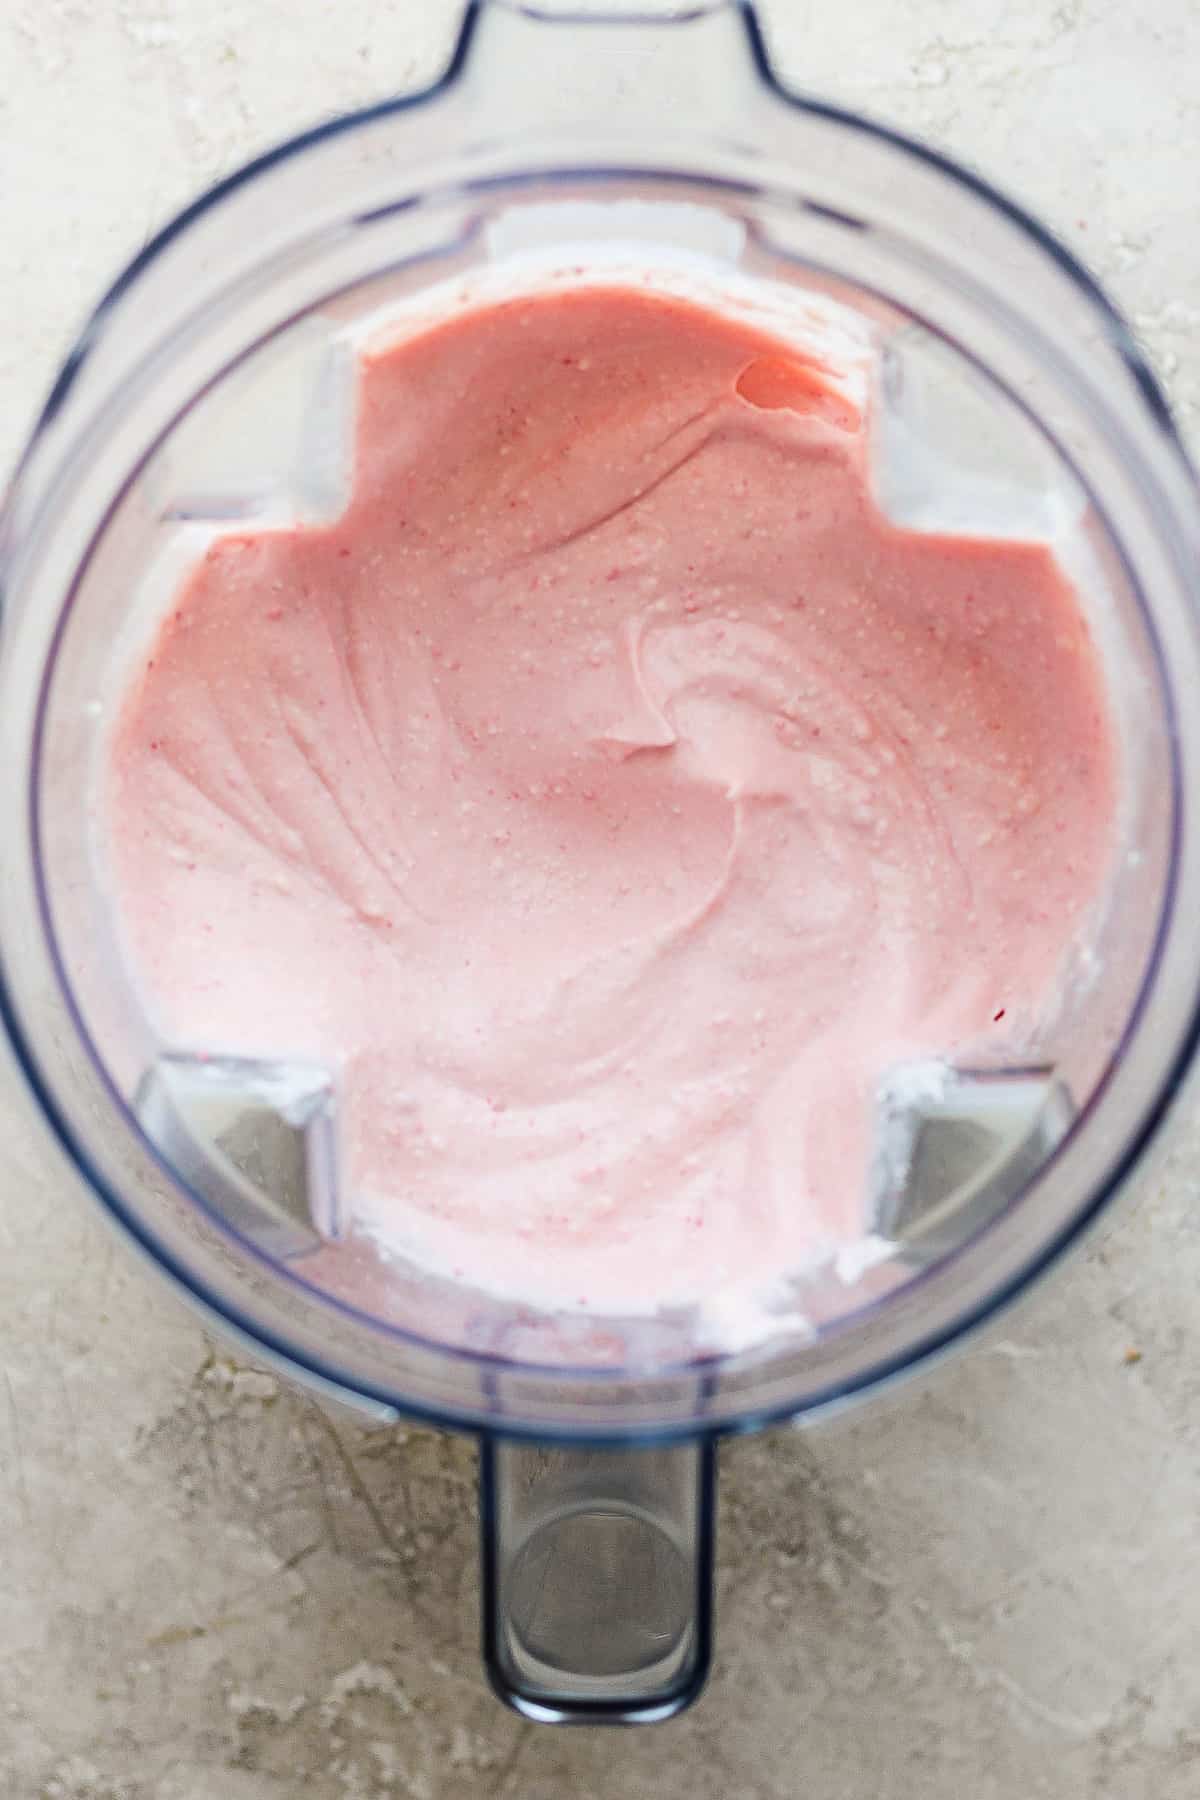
(214, 386)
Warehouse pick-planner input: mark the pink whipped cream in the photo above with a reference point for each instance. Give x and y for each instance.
(611, 796)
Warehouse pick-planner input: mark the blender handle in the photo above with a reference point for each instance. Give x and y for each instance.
(597, 1578)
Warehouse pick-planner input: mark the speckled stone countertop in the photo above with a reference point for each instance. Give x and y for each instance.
(212, 1590)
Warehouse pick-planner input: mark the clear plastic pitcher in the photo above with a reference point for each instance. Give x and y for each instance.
(213, 383)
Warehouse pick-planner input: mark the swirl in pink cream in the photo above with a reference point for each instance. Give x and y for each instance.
(610, 795)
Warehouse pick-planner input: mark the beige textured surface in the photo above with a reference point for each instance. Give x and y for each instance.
(212, 1592)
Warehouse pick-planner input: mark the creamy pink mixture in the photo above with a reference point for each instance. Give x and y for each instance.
(611, 795)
